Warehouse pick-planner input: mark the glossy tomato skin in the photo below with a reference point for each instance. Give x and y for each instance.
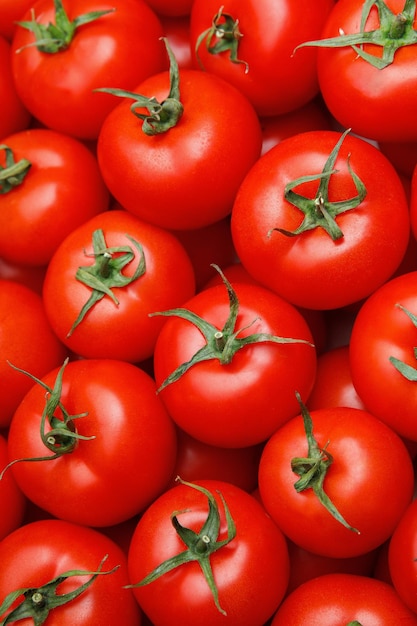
(14, 115)
(109, 331)
(108, 479)
(251, 571)
(26, 340)
(12, 500)
(359, 482)
(168, 178)
(276, 81)
(385, 100)
(10, 12)
(310, 269)
(401, 557)
(37, 552)
(62, 189)
(382, 330)
(256, 390)
(343, 599)
(99, 55)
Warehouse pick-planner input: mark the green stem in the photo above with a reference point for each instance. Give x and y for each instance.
(14, 173)
(409, 372)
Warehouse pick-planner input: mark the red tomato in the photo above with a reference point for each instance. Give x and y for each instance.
(403, 155)
(26, 340)
(197, 460)
(349, 453)
(14, 116)
(378, 103)
(103, 481)
(402, 557)
(241, 391)
(98, 55)
(177, 31)
(32, 277)
(186, 176)
(60, 188)
(173, 8)
(38, 553)
(333, 385)
(413, 203)
(383, 337)
(345, 600)
(254, 50)
(289, 232)
(250, 571)
(12, 500)
(120, 330)
(10, 12)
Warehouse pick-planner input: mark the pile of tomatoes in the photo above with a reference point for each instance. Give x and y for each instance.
(208, 312)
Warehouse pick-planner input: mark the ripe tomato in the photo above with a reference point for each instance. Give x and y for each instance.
(384, 97)
(250, 44)
(173, 8)
(26, 340)
(38, 553)
(14, 115)
(121, 330)
(290, 234)
(345, 456)
(402, 557)
(126, 453)
(241, 391)
(383, 338)
(99, 54)
(166, 175)
(250, 571)
(12, 500)
(345, 599)
(59, 188)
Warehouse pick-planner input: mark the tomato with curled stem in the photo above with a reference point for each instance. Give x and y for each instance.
(221, 558)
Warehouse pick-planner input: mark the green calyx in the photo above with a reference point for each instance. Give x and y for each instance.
(13, 174)
(163, 115)
(106, 272)
(409, 372)
(395, 31)
(221, 344)
(199, 545)
(53, 38)
(37, 602)
(355, 623)
(222, 36)
(312, 470)
(61, 437)
(320, 211)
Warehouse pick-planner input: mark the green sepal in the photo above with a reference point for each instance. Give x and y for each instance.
(13, 174)
(163, 115)
(395, 31)
(222, 36)
(39, 601)
(200, 545)
(61, 437)
(320, 211)
(106, 272)
(409, 372)
(221, 344)
(312, 469)
(53, 38)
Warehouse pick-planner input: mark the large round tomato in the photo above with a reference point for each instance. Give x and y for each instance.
(238, 391)
(345, 600)
(402, 550)
(185, 177)
(26, 341)
(58, 86)
(116, 247)
(382, 354)
(250, 43)
(249, 570)
(313, 219)
(378, 103)
(326, 481)
(14, 116)
(38, 554)
(59, 188)
(126, 453)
